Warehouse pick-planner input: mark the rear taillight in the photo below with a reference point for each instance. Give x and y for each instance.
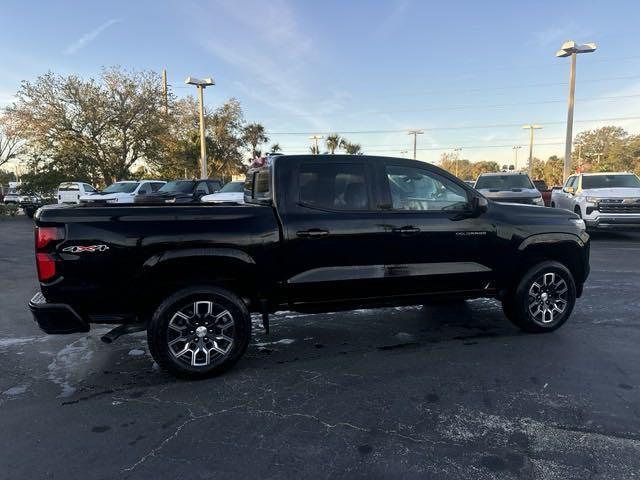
(46, 238)
(46, 265)
(46, 235)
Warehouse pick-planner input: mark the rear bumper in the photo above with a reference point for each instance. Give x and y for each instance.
(56, 318)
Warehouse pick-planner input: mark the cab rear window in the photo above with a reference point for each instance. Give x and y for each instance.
(257, 185)
(68, 187)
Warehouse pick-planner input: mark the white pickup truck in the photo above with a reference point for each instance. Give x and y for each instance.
(603, 200)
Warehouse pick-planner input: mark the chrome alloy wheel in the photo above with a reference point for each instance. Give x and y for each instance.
(200, 334)
(548, 298)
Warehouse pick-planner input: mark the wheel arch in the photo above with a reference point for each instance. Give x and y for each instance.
(564, 248)
(169, 271)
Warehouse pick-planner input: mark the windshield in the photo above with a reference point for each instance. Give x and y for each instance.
(232, 187)
(127, 187)
(503, 182)
(178, 186)
(610, 181)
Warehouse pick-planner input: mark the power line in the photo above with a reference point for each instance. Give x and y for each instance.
(449, 147)
(456, 107)
(459, 127)
(397, 146)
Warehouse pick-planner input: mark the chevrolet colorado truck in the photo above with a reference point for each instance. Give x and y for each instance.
(316, 233)
(602, 200)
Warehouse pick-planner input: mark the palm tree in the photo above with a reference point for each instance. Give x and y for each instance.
(275, 148)
(254, 134)
(352, 148)
(333, 142)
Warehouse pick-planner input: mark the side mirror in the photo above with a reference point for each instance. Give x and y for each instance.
(570, 190)
(479, 205)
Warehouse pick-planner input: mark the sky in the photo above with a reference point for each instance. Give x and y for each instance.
(469, 73)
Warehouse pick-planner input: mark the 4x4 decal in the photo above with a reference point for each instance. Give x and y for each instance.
(87, 248)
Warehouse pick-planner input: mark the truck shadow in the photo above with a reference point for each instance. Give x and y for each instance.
(126, 369)
(298, 337)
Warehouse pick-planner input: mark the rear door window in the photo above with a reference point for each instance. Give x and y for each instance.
(334, 186)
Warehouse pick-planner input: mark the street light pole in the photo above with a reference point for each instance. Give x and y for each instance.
(201, 84)
(571, 49)
(569, 140)
(531, 128)
(415, 134)
(203, 142)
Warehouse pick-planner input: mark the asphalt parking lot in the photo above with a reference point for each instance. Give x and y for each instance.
(442, 392)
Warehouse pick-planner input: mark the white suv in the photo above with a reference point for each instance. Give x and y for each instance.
(603, 200)
(123, 192)
(70, 192)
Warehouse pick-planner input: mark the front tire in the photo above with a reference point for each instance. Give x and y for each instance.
(199, 332)
(543, 299)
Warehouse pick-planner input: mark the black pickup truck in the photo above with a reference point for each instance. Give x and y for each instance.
(317, 233)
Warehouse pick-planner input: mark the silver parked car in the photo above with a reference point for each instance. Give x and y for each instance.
(509, 187)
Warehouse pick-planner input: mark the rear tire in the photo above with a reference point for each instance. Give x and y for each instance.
(543, 299)
(199, 332)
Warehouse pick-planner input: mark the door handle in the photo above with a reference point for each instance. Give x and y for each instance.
(406, 229)
(312, 233)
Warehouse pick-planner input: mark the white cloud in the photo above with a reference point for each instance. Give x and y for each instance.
(87, 38)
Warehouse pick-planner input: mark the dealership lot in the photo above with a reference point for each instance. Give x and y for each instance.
(444, 391)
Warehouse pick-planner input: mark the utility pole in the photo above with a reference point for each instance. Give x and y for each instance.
(165, 91)
(515, 149)
(531, 128)
(457, 152)
(316, 138)
(415, 134)
(571, 49)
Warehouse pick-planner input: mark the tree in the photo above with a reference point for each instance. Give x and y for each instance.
(275, 148)
(224, 136)
(11, 145)
(6, 177)
(353, 148)
(333, 142)
(553, 170)
(350, 148)
(314, 150)
(603, 149)
(254, 135)
(226, 129)
(111, 122)
(483, 166)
